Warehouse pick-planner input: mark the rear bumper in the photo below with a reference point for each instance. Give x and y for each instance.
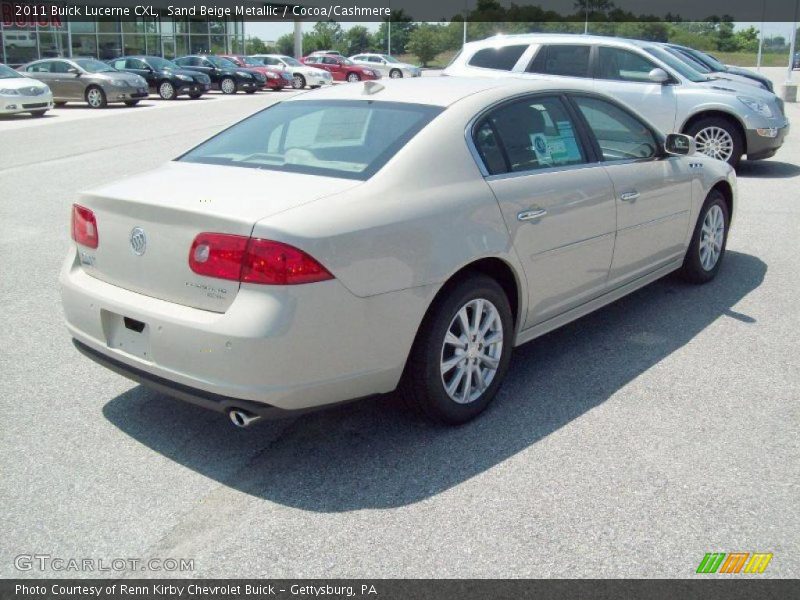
(288, 348)
(760, 146)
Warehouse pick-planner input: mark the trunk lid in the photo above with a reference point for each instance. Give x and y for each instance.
(169, 207)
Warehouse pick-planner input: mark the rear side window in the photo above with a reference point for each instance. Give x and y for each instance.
(536, 133)
(562, 59)
(502, 59)
(338, 138)
(623, 65)
(621, 136)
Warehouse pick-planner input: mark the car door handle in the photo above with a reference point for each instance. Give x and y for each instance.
(531, 215)
(629, 196)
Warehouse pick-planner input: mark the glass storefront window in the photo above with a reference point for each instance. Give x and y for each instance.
(181, 45)
(136, 26)
(108, 27)
(198, 44)
(153, 45)
(19, 44)
(84, 45)
(198, 26)
(83, 26)
(109, 46)
(52, 44)
(134, 44)
(218, 44)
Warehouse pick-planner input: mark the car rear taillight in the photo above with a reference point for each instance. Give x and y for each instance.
(253, 260)
(84, 227)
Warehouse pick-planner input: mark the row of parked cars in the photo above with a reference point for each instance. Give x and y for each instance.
(41, 84)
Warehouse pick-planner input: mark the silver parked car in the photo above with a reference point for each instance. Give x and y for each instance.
(87, 80)
(387, 65)
(367, 263)
(727, 118)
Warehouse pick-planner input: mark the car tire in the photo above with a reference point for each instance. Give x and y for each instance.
(298, 81)
(195, 95)
(315, 87)
(718, 138)
(95, 97)
(131, 102)
(353, 77)
(60, 103)
(709, 239)
(166, 91)
(250, 91)
(227, 85)
(396, 74)
(38, 113)
(435, 363)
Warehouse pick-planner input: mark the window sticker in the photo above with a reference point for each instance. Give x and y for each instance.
(541, 147)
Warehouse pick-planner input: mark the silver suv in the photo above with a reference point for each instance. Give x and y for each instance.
(727, 119)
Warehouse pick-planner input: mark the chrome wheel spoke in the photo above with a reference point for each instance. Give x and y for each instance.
(471, 351)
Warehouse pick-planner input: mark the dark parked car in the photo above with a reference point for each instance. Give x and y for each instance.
(225, 75)
(716, 66)
(164, 77)
(277, 79)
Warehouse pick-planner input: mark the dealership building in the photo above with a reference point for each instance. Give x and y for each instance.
(28, 37)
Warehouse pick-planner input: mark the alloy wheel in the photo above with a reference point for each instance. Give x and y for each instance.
(166, 90)
(228, 86)
(712, 235)
(353, 77)
(715, 142)
(471, 351)
(94, 97)
(395, 74)
(298, 82)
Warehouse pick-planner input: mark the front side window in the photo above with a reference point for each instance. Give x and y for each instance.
(622, 65)
(119, 63)
(569, 60)
(346, 138)
(502, 59)
(621, 136)
(529, 135)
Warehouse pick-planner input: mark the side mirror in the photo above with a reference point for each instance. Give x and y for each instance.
(73, 70)
(679, 144)
(658, 76)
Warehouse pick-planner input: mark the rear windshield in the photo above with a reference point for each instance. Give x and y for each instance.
(336, 138)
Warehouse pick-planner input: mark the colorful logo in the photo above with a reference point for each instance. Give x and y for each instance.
(734, 562)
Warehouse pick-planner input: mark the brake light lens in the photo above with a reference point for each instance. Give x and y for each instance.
(253, 260)
(84, 227)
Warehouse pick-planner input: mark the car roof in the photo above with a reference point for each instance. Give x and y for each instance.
(437, 91)
(555, 38)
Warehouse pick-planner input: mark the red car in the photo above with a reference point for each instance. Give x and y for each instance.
(276, 78)
(341, 68)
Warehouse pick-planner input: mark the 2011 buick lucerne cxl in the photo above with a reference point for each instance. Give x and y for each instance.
(401, 235)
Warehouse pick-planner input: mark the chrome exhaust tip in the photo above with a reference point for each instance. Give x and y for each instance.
(242, 418)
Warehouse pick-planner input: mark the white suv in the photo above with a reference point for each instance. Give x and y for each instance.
(727, 119)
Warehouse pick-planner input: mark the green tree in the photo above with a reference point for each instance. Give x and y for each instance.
(747, 40)
(357, 39)
(326, 35)
(285, 44)
(425, 42)
(402, 26)
(254, 45)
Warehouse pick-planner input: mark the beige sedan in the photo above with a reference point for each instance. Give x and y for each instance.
(396, 235)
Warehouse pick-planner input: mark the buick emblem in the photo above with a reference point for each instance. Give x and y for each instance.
(138, 241)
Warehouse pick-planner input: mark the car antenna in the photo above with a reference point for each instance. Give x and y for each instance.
(371, 87)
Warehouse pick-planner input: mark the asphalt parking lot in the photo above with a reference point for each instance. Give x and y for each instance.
(627, 444)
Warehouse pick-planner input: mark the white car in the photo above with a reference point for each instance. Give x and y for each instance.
(728, 119)
(395, 234)
(388, 66)
(20, 94)
(302, 75)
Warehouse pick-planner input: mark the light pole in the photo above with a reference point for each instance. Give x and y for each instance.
(586, 17)
(792, 44)
(466, 12)
(761, 35)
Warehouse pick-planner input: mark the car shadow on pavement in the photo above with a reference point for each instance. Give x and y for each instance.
(772, 169)
(376, 454)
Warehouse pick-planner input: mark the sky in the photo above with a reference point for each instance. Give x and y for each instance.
(272, 31)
